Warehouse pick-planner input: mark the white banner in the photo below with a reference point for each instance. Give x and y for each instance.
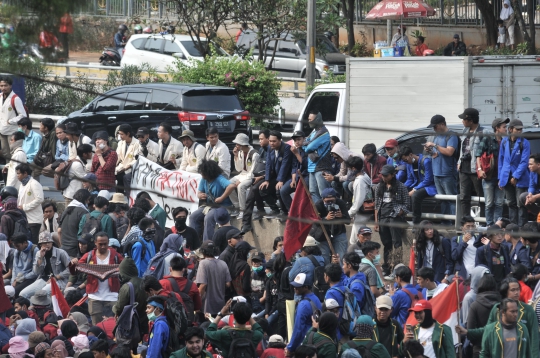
(170, 189)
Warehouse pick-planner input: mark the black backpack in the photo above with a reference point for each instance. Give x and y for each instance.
(129, 247)
(189, 305)
(242, 347)
(365, 351)
(367, 306)
(285, 289)
(127, 331)
(21, 226)
(92, 225)
(175, 313)
(319, 284)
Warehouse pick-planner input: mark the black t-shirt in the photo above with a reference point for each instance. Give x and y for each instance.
(386, 207)
(190, 236)
(220, 237)
(497, 265)
(48, 268)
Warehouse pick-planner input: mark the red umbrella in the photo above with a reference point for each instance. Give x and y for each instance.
(398, 9)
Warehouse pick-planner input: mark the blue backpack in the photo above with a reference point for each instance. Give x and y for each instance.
(367, 306)
(5, 335)
(351, 311)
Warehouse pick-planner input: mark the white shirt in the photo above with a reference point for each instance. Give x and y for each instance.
(104, 293)
(30, 198)
(440, 287)
(469, 255)
(76, 171)
(425, 337)
(429, 254)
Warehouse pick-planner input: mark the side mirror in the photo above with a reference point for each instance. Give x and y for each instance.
(179, 55)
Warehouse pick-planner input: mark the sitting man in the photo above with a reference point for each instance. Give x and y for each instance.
(455, 48)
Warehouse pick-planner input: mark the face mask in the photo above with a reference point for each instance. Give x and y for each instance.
(180, 223)
(377, 259)
(149, 234)
(269, 274)
(151, 316)
(257, 269)
(395, 155)
(102, 146)
(20, 129)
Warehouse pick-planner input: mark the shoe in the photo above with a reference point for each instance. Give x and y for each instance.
(234, 213)
(240, 215)
(273, 214)
(247, 228)
(256, 216)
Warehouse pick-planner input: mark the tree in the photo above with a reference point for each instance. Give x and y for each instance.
(348, 11)
(529, 40)
(488, 14)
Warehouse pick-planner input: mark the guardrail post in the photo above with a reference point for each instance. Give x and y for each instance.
(124, 7)
(107, 7)
(459, 214)
(160, 9)
(296, 94)
(130, 8)
(95, 7)
(149, 7)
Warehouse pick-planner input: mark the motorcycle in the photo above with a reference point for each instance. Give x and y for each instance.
(110, 57)
(33, 51)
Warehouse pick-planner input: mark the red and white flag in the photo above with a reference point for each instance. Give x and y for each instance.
(59, 303)
(445, 310)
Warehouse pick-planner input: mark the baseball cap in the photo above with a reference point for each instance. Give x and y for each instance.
(142, 131)
(365, 319)
(222, 216)
(364, 230)
(515, 123)
(90, 177)
(436, 119)
(244, 245)
(276, 338)
(234, 233)
(469, 113)
(310, 241)
(391, 143)
(297, 134)
(421, 306)
(498, 121)
(383, 302)
(45, 237)
(207, 245)
(258, 256)
(331, 304)
(301, 280)
(85, 239)
(114, 242)
(456, 36)
(388, 169)
(328, 192)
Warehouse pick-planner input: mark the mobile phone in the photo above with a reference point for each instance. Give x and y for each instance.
(316, 315)
(409, 328)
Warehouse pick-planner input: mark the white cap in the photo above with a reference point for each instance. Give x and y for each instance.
(331, 304)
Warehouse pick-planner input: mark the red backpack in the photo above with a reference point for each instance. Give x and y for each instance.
(14, 108)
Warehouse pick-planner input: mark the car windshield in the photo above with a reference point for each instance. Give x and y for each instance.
(192, 49)
(211, 101)
(323, 45)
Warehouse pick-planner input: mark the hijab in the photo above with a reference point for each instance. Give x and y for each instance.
(81, 320)
(428, 319)
(328, 324)
(238, 262)
(172, 243)
(98, 332)
(80, 343)
(506, 12)
(60, 347)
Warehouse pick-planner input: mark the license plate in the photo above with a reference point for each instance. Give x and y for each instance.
(224, 126)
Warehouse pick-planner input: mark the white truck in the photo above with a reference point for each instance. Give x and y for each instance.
(386, 97)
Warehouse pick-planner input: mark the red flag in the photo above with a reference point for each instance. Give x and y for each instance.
(412, 259)
(296, 231)
(82, 300)
(60, 305)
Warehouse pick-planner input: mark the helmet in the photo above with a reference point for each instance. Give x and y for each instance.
(8, 191)
(148, 30)
(137, 29)
(329, 34)
(429, 52)
(171, 29)
(122, 27)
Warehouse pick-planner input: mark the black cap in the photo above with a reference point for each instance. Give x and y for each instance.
(72, 128)
(234, 233)
(297, 134)
(456, 36)
(258, 256)
(270, 264)
(143, 131)
(470, 113)
(436, 119)
(388, 169)
(498, 121)
(85, 239)
(244, 245)
(207, 245)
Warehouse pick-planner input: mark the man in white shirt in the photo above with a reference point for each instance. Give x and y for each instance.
(76, 138)
(426, 280)
(147, 148)
(170, 150)
(77, 172)
(217, 151)
(193, 152)
(30, 199)
(18, 156)
(11, 112)
(464, 247)
(127, 150)
(245, 158)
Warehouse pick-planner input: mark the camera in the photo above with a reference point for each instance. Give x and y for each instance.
(332, 208)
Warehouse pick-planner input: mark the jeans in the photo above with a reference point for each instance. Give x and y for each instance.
(447, 186)
(416, 202)
(317, 184)
(34, 228)
(391, 237)
(203, 224)
(466, 184)
(494, 200)
(340, 247)
(36, 286)
(516, 210)
(286, 192)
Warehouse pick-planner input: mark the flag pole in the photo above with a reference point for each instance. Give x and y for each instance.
(315, 209)
(456, 280)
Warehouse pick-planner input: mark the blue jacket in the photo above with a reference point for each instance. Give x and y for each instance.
(304, 265)
(401, 303)
(62, 151)
(458, 247)
(302, 320)
(321, 146)
(356, 287)
(520, 255)
(158, 338)
(23, 263)
(534, 256)
(442, 262)
(280, 169)
(514, 164)
(118, 40)
(31, 145)
(401, 175)
(136, 252)
(424, 177)
(534, 185)
(484, 257)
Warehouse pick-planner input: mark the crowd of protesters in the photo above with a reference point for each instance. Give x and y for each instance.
(135, 285)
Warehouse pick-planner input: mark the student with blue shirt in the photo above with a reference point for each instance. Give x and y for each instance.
(62, 144)
(332, 276)
(519, 253)
(444, 163)
(32, 140)
(513, 164)
(142, 255)
(158, 339)
(317, 146)
(531, 198)
(309, 255)
(402, 299)
(214, 188)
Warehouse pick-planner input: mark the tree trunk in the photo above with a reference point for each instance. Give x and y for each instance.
(336, 31)
(486, 9)
(519, 19)
(348, 12)
(532, 29)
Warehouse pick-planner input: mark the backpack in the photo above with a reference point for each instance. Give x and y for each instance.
(92, 225)
(415, 298)
(21, 226)
(189, 305)
(457, 151)
(5, 335)
(176, 315)
(129, 248)
(349, 314)
(367, 306)
(156, 266)
(242, 347)
(61, 175)
(127, 331)
(122, 225)
(365, 351)
(15, 108)
(285, 290)
(319, 284)
(320, 343)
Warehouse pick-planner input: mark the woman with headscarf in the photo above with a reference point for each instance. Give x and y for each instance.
(97, 332)
(18, 347)
(509, 19)
(323, 335)
(59, 349)
(81, 321)
(170, 248)
(363, 328)
(80, 343)
(240, 270)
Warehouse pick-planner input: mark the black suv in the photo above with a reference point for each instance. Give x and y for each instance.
(184, 106)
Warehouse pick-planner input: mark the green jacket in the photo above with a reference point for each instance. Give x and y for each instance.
(377, 351)
(222, 339)
(526, 316)
(107, 224)
(327, 348)
(492, 344)
(182, 353)
(159, 215)
(443, 342)
(397, 336)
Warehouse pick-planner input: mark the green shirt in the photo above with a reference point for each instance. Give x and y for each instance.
(222, 339)
(159, 215)
(182, 353)
(327, 348)
(106, 223)
(377, 351)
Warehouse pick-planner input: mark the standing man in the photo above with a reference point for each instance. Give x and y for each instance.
(30, 199)
(387, 331)
(392, 203)
(391, 148)
(47, 147)
(217, 151)
(444, 164)
(513, 174)
(470, 142)
(127, 150)
(18, 156)
(104, 163)
(193, 152)
(245, 158)
(531, 199)
(12, 111)
(32, 140)
(66, 29)
(487, 156)
(495, 255)
(317, 147)
(170, 150)
(213, 277)
(370, 266)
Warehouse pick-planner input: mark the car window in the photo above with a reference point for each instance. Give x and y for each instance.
(324, 102)
(287, 46)
(163, 100)
(153, 45)
(211, 101)
(415, 143)
(138, 43)
(191, 48)
(136, 101)
(108, 104)
(171, 47)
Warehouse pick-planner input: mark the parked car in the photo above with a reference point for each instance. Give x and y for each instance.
(290, 55)
(161, 51)
(184, 106)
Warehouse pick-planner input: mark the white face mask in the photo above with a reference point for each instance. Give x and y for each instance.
(102, 146)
